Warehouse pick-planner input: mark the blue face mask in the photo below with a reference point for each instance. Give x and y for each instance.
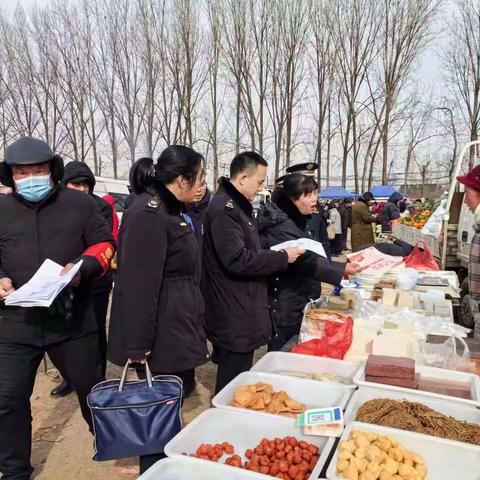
(34, 189)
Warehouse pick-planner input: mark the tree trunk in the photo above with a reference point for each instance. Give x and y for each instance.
(407, 165)
(473, 138)
(345, 147)
(385, 133)
(355, 153)
(329, 141)
(237, 119)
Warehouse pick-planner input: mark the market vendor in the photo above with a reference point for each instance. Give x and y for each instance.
(472, 199)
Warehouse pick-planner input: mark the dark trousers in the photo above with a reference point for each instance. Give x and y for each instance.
(283, 336)
(188, 380)
(100, 309)
(344, 239)
(75, 359)
(336, 244)
(230, 364)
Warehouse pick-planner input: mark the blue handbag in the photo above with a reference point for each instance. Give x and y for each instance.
(134, 418)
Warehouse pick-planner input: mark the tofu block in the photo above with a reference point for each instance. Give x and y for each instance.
(389, 297)
(392, 344)
(392, 367)
(397, 382)
(405, 300)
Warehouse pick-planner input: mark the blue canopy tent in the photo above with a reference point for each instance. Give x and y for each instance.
(383, 191)
(336, 192)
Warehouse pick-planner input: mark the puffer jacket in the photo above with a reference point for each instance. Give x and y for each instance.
(290, 290)
(391, 210)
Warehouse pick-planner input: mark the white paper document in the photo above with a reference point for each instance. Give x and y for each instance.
(42, 289)
(304, 244)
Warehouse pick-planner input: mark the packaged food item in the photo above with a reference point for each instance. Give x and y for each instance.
(367, 456)
(261, 397)
(325, 422)
(418, 418)
(322, 315)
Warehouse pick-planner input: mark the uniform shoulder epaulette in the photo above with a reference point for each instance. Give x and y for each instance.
(229, 205)
(153, 204)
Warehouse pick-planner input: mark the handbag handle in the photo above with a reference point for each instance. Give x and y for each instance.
(148, 375)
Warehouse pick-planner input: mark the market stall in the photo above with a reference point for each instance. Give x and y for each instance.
(380, 386)
(336, 193)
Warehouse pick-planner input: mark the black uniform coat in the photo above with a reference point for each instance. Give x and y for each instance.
(158, 309)
(196, 212)
(60, 228)
(289, 291)
(235, 270)
(75, 172)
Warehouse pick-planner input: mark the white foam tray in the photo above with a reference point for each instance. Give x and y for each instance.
(431, 372)
(444, 459)
(466, 413)
(311, 393)
(275, 362)
(180, 469)
(243, 431)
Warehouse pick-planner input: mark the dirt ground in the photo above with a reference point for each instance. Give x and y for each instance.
(62, 447)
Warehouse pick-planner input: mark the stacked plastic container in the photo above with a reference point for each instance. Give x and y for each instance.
(245, 429)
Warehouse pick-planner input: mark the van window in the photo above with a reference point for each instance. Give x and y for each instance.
(119, 201)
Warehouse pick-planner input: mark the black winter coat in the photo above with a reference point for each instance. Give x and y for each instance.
(346, 216)
(75, 172)
(157, 309)
(391, 210)
(317, 226)
(60, 228)
(235, 270)
(104, 283)
(196, 212)
(289, 291)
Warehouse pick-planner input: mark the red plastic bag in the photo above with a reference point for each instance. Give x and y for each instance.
(421, 258)
(335, 344)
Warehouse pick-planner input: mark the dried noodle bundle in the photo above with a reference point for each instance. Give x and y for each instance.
(416, 417)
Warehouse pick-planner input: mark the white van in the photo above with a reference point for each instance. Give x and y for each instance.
(118, 189)
(261, 198)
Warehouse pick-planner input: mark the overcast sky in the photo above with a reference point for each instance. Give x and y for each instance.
(428, 66)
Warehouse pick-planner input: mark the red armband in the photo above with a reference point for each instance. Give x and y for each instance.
(102, 252)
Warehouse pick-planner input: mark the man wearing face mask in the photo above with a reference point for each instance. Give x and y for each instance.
(235, 270)
(41, 219)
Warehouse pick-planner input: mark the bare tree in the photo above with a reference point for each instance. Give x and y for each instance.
(214, 18)
(353, 31)
(404, 33)
(322, 59)
(185, 63)
(289, 36)
(462, 64)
